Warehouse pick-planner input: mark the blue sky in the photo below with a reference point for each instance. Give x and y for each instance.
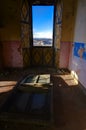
(42, 17)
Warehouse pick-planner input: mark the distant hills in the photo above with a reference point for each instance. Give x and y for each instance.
(42, 38)
(42, 42)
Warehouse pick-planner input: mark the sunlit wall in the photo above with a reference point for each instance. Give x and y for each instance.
(78, 49)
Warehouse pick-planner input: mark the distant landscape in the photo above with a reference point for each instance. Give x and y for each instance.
(42, 42)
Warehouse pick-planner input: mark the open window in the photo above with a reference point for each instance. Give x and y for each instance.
(42, 25)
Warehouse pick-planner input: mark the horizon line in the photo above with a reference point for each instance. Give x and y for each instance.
(41, 38)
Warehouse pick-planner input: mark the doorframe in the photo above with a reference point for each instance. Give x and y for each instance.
(29, 46)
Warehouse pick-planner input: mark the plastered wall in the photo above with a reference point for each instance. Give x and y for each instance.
(12, 56)
(9, 20)
(67, 31)
(10, 31)
(78, 50)
(68, 20)
(64, 54)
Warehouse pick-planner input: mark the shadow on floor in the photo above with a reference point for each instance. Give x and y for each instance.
(69, 102)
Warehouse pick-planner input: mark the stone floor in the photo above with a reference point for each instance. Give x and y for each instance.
(69, 101)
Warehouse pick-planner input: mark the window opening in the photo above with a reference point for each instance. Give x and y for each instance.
(42, 25)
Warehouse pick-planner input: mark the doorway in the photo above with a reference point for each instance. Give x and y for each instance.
(42, 52)
(41, 47)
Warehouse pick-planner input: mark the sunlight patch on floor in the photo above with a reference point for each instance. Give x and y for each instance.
(6, 86)
(69, 79)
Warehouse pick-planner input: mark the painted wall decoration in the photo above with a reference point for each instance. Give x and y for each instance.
(25, 24)
(58, 24)
(80, 50)
(25, 33)
(57, 35)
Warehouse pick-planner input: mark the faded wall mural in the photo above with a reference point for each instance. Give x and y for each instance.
(57, 35)
(80, 50)
(58, 23)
